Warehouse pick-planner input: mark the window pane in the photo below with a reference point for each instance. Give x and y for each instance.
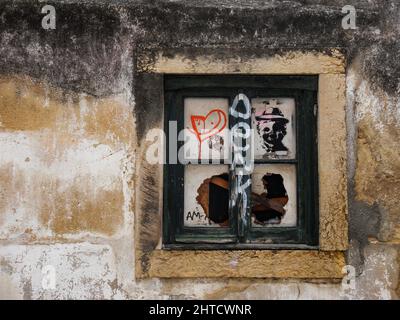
(274, 202)
(273, 121)
(206, 196)
(206, 128)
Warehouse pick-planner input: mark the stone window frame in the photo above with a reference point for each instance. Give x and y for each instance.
(325, 263)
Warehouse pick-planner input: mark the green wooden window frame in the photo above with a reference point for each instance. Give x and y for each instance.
(239, 234)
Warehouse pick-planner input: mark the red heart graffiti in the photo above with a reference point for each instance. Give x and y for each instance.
(199, 125)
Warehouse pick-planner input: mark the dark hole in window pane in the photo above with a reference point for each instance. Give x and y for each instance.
(268, 207)
(213, 196)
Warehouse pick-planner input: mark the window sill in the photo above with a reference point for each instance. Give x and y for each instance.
(238, 246)
(300, 264)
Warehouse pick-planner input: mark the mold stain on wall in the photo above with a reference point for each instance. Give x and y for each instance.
(62, 155)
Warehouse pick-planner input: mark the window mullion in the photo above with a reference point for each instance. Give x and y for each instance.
(240, 114)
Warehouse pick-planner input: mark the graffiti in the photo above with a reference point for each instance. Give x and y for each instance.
(213, 192)
(242, 157)
(268, 207)
(241, 135)
(207, 126)
(242, 162)
(240, 194)
(195, 214)
(271, 126)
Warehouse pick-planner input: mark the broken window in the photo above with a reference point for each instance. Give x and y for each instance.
(206, 193)
(211, 198)
(274, 195)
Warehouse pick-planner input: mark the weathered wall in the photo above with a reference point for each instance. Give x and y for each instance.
(70, 126)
